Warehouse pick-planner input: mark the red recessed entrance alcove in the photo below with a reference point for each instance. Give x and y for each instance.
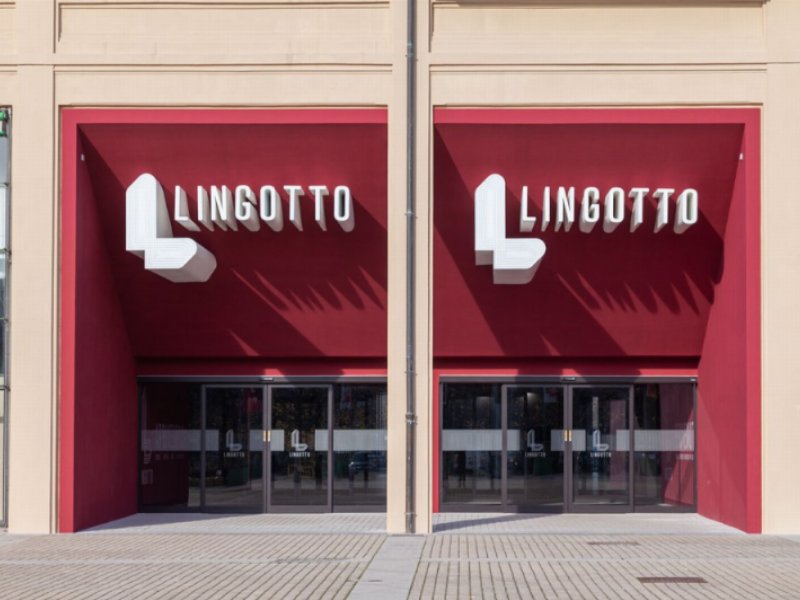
(620, 303)
(279, 303)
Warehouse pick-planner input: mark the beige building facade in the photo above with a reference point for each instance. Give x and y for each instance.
(253, 54)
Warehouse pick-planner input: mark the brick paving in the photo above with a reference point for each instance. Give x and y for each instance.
(177, 566)
(607, 566)
(336, 556)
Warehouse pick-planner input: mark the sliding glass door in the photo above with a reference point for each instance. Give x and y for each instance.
(472, 446)
(251, 448)
(299, 448)
(599, 445)
(234, 449)
(536, 447)
(359, 447)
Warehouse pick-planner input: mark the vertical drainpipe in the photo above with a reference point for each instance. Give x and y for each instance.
(5, 124)
(411, 417)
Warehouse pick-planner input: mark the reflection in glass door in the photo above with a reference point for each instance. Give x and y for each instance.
(204, 446)
(233, 458)
(600, 447)
(535, 447)
(359, 448)
(663, 473)
(539, 447)
(472, 446)
(299, 448)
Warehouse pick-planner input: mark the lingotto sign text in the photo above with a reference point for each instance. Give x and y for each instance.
(148, 230)
(515, 260)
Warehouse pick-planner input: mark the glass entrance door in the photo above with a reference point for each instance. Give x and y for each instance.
(233, 466)
(503, 447)
(543, 447)
(472, 447)
(300, 448)
(252, 447)
(534, 477)
(599, 445)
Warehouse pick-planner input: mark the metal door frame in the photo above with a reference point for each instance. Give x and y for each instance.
(506, 506)
(568, 384)
(204, 429)
(569, 501)
(266, 431)
(568, 504)
(263, 383)
(292, 508)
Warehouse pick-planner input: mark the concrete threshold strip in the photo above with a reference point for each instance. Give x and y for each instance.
(390, 574)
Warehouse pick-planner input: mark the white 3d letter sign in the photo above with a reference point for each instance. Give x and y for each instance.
(148, 234)
(515, 260)
(512, 260)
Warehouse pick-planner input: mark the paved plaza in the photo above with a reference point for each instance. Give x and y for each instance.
(350, 556)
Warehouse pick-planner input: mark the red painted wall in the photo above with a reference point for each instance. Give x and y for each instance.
(604, 295)
(729, 374)
(308, 302)
(262, 367)
(615, 304)
(282, 295)
(102, 430)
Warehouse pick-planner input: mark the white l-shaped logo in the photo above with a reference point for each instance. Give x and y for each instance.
(513, 260)
(296, 443)
(148, 234)
(533, 445)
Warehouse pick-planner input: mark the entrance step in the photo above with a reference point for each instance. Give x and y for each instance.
(250, 524)
(634, 523)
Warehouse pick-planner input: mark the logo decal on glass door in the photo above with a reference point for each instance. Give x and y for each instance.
(599, 449)
(300, 449)
(535, 449)
(234, 449)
